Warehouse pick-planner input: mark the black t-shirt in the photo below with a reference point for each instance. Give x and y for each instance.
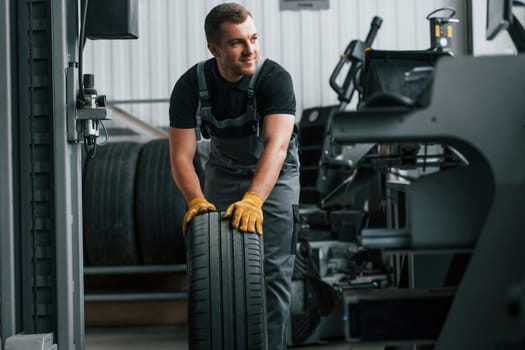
(273, 93)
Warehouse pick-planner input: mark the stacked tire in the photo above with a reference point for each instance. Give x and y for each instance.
(108, 206)
(133, 216)
(132, 210)
(159, 207)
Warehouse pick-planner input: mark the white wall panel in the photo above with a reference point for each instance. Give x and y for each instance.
(310, 53)
(307, 43)
(388, 37)
(502, 44)
(328, 44)
(270, 30)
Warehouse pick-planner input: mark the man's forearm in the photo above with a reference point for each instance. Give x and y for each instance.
(182, 151)
(277, 131)
(187, 181)
(267, 171)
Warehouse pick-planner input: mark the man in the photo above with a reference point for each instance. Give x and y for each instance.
(253, 170)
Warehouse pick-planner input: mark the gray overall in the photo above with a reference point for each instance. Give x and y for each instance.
(229, 173)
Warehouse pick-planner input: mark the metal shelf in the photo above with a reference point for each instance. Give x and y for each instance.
(135, 296)
(132, 269)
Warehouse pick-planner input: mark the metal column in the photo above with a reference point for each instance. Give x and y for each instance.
(68, 176)
(7, 246)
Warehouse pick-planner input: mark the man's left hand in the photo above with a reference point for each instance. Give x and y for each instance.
(246, 214)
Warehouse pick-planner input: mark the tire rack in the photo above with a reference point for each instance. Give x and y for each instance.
(122, 180)
(134, 296)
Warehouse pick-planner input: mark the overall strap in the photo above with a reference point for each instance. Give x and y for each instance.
(204, 98)
(253, 81)
(203, 87)
(251, 103)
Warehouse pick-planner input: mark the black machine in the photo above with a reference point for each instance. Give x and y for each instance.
(437, 193)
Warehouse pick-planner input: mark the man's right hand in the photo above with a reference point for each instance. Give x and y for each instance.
(198, 205)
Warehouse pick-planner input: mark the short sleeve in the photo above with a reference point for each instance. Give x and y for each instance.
(184, 101)
(275, 93)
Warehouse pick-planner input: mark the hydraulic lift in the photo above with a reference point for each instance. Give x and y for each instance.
(42, 284)
(43, 125)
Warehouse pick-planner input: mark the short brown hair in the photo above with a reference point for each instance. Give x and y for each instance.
(227, 12)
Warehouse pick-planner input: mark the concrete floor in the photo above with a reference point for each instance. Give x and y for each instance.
(172, 338)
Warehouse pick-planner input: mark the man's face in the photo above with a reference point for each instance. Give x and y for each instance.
(238, 50)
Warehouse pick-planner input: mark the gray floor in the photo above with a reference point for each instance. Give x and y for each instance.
(172, 338)
(164, 338)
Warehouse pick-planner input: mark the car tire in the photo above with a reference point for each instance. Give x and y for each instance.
(227, 308)
(159, 208)
(108, 205)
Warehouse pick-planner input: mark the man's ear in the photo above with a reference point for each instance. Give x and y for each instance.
(213, 50)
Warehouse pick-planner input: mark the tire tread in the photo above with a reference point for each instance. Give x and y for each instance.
(227, 296)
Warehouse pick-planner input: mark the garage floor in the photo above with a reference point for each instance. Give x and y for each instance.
(170, 337)
(119, 325)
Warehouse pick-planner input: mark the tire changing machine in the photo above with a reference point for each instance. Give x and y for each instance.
(477, 109)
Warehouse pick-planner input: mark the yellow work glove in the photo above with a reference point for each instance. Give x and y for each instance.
(198, 205)
(246, 214)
